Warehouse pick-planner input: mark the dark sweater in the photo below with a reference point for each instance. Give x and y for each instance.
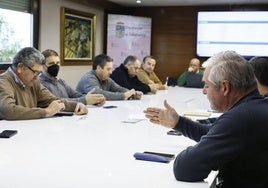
(235, 144)
(120, 76)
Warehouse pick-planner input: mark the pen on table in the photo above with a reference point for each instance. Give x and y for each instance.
(189, 100)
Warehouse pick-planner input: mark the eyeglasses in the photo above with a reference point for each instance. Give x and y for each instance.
(35, 73)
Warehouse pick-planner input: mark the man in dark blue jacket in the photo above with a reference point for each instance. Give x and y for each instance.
(126, 75)
(236, 143)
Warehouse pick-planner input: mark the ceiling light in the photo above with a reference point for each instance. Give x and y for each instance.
(138, 1)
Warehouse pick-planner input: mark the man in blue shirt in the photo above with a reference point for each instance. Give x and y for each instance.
(235, 144)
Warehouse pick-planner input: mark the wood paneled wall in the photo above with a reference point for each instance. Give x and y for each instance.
(173, 31)
(174, 35)
(173, 39)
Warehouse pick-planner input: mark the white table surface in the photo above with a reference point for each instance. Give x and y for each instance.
(97, 150)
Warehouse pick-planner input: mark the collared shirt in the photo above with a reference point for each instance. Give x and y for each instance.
(19, 103)
(61, 89)
(16, 78)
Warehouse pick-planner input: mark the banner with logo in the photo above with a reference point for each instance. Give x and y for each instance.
(128, 35)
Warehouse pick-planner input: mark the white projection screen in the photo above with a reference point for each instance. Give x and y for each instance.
(128, 35)
(245, 32)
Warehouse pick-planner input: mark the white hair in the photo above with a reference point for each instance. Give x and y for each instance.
(228, 65)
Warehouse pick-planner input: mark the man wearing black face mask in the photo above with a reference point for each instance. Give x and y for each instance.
(58, 87)
(53, 70)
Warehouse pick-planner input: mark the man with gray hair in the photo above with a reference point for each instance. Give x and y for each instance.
(21, 94)
(235, 144)
(126, 75)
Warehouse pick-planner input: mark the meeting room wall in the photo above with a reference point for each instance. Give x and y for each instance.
(174, 34)
(50, 33)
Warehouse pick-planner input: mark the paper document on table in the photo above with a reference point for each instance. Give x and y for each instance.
(134, 118)
(197, 113)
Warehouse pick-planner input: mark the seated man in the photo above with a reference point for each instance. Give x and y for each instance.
(99, 79)
(260, 67)
(193, 76)
(147, 75)
(21, 94)
(235, 143)
(59, 87)
(126, 75)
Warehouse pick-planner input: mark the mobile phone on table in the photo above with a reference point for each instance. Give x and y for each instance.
(107, 107)
(174, 132)
(168, 155)
(8, 133)
(64, 113)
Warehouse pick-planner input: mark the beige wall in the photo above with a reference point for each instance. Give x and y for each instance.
(50, 34)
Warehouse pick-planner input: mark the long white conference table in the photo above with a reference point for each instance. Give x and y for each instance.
(96, 150)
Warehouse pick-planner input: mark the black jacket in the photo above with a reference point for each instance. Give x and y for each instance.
(120, 76)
